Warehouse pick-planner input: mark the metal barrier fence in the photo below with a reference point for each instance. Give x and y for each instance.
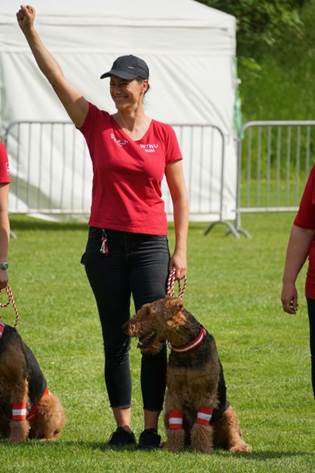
(52, 170)
(274, 159)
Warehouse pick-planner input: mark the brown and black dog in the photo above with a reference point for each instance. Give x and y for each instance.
(193, 415)
(27, 408)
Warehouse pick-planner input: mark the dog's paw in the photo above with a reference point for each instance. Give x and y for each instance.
(175, 440)
(18, 431)
(202, 438)
(240, 447)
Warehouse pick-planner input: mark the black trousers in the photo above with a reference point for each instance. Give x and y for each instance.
(311, 316)
(137, 265)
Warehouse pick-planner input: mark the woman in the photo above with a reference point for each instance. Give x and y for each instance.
(302, 244)
(4, 219)
(127, 251)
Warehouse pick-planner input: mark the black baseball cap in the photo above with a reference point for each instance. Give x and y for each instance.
(128, 67)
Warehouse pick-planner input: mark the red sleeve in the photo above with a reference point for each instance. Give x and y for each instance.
(305, 217)
(90, 120)
(4, 165)
(172, 149)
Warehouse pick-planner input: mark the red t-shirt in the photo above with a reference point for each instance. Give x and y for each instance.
(4, 165)
(305, 218)
(127, 174)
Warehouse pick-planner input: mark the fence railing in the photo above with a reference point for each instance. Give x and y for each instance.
(52, 170)
(274, 159)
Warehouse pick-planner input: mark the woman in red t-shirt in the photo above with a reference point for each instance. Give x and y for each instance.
(4, 219)
(127, 250)
(302, 245)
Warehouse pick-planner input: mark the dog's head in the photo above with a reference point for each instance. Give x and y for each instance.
(156, 322)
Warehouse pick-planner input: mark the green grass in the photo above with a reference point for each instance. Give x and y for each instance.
(233, 288)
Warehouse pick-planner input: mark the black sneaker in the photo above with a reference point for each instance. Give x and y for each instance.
(121, 438)
(149, 439)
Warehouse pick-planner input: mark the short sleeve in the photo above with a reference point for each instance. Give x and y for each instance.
(305, 217)
(172, 149)
(4, 165)
(91, 121)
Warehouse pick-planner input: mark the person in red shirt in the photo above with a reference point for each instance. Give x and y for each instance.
(4, 218)
(127, 250)
(300, 246)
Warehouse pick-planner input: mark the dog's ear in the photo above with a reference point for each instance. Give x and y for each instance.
(174, 306)
(133, 326)
(176, 317)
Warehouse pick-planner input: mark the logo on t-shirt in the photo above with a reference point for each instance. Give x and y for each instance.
(149, 148)
(118, 141)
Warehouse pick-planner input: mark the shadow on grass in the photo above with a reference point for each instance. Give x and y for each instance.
(270, 455)
(28, 223)
(102, 446)
(64, 444)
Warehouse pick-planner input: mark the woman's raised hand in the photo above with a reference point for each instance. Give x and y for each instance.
(25, 17)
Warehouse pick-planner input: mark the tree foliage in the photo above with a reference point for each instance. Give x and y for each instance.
(262, 24)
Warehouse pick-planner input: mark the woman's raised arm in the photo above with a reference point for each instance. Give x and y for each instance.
(73, 101)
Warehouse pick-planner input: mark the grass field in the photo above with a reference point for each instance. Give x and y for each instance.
(233, 288)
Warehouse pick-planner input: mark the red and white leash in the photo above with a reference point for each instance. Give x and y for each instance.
(171, 293)
(171, 283)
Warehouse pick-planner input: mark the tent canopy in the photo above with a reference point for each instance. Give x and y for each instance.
(189, 47)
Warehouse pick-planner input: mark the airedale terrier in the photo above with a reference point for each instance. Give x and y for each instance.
(196, 411)
(27, 408)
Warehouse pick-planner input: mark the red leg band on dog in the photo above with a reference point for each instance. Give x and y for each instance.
(175, 420)
(204, 415)
(19, 411)
(1, 329)
(32, 412)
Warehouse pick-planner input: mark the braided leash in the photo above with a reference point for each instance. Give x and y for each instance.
(12, 302)
(171, 283)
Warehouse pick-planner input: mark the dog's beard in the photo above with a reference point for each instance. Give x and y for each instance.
(150, 343)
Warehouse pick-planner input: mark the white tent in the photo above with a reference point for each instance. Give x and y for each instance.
(190, 49)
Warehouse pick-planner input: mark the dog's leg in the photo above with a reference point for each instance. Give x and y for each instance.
(174, 422)
(19, 426)
(14, 378)
(175, 433)
(227, 432)
(202, 432)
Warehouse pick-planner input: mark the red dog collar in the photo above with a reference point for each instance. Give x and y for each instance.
(32, 412)
(192, 344)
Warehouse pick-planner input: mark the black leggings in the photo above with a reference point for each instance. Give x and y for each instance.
(311, 316)
(136, 264)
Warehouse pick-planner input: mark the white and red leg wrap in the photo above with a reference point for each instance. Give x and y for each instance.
(175, 420)
(204, 415)
(19, 411)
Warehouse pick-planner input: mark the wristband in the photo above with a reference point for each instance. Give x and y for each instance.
(4, 265)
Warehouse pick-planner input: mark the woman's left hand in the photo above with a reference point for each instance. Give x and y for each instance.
(179, 263)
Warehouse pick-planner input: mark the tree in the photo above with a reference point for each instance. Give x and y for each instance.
(261, 24)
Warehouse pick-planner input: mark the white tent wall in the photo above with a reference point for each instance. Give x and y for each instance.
(190, 49)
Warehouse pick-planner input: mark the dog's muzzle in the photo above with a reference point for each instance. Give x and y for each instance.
(146, 340)
(150, 343)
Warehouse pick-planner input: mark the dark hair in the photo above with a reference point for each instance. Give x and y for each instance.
(141, 80)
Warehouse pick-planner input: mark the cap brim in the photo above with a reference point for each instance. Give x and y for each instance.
(121, 74)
